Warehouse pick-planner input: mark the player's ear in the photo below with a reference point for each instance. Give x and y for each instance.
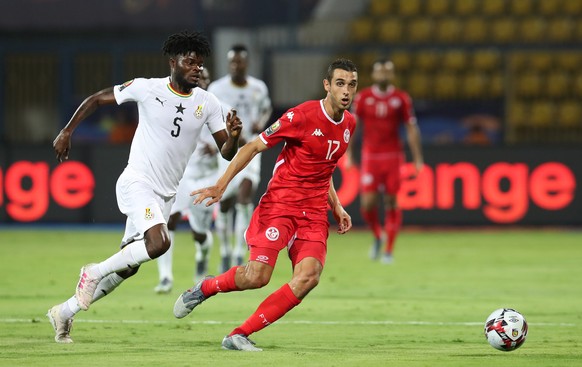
(326, 85)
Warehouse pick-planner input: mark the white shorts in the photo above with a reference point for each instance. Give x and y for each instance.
(143, 207)
(251, 172)
(200, 215)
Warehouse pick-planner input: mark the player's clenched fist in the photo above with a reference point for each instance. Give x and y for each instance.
(233, 124)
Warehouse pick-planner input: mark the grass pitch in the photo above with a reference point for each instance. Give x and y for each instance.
(427, 309)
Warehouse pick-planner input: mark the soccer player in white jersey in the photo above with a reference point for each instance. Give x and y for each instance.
(250, 97)
(172, 113)
(202, 170)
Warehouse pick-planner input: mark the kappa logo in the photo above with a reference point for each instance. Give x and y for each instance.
(317, 132)
(272, 234)
(290, 116)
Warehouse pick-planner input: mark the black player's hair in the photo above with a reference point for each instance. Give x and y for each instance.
(239, 48)
(343, 64)
(184, 42)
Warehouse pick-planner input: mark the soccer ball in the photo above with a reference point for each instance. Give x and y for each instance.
(506, 329)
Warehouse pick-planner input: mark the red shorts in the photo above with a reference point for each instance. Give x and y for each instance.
(272, 229)
(381, 171)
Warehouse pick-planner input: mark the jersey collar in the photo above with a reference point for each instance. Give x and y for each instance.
(327, 116)
(178, 93)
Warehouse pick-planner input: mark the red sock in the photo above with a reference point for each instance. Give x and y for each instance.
(371, 218)
(270, 310)
(393, 223)
(220, 284)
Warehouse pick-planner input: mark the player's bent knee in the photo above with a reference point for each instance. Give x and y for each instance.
(258, 280)
(256, 275)
(157, 240)
(306, 282)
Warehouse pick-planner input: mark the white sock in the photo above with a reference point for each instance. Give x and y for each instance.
(224, 231)
(130, 256)
(203, 249)
(243, 218)
(203, 256)
(106, 286)
(165, 261)
(70, 308)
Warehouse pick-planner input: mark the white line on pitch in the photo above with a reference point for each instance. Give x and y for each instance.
(307, 322)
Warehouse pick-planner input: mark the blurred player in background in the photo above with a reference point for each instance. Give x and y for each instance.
(202, 170)
(292, 213)
(172, 113)
(249, 96)
(381, 109)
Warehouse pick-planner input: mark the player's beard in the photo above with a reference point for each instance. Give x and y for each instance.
(185, 84)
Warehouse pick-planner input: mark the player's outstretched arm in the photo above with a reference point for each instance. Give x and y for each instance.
(341, 216)
(240, 161)
(62, 143)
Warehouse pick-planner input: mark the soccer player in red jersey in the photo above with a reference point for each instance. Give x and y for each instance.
(292, 213)
(381, 109)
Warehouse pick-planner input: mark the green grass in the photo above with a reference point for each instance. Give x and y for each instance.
(427, 309)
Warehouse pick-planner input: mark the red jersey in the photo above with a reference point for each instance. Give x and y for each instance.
(381, 114)
(314, 143)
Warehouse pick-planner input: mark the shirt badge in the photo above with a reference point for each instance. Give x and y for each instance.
(198, 112)
(347, 136)
(149, 215)
(272, 234)
(125, 85)
(273, 128)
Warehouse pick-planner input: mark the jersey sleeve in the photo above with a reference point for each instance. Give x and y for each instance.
(290, 126)
(408, 115)
(216, 120)
(134, 90)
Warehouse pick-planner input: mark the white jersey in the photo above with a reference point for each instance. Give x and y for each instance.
(249, 101)
(169, 127)
(201, 163)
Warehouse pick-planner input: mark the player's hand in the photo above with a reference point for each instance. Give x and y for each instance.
(343, 219)
(233, 124)
(62, 145)
(214, 193)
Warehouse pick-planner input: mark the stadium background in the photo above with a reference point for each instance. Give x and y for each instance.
(496, 84)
